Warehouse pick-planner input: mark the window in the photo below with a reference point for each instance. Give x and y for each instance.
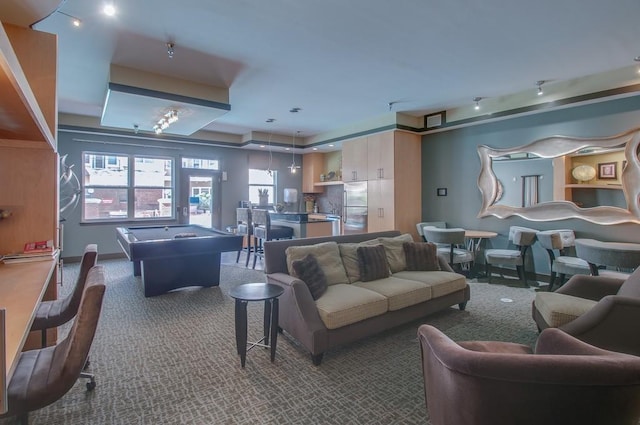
(261, 179)
(204, 164)
(114, 190)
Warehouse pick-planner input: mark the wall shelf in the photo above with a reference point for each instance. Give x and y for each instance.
(594, 186)
(329, 183)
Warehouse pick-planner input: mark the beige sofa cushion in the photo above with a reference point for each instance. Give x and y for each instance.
(400, 293)
(328, 256)
(349, 255)
(559, 309)
(344, 304)
(395, 251)
(440, 282)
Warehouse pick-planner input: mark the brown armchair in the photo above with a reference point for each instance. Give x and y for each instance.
(600, 310)
(564, 381)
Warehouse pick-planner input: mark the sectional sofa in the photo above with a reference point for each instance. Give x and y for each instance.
(356, 304)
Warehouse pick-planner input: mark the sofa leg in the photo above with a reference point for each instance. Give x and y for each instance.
(317, 359)
(462, 306)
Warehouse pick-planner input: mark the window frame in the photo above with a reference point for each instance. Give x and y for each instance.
(130, 186)
(272, 187)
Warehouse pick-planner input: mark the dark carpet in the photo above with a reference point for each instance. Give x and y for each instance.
(171, 359)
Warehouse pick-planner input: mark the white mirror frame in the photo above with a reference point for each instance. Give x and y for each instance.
(556, 146)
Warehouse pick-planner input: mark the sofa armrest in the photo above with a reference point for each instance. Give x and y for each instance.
(591, 287)
(298, 312)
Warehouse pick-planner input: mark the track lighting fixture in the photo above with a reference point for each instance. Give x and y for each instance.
(164, 122)
(170, 50)
(539, 84)
(477, 100)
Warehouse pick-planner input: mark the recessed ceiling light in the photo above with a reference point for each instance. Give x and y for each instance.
(262, 146)
(330, 146)
(315, 149)
(109, 9)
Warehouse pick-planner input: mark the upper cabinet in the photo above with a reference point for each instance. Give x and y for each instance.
(312, 167)
(28, 67)
(354, 160)
(380, 156)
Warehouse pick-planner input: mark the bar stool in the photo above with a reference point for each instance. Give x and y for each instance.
(245, 228)
(263, 230)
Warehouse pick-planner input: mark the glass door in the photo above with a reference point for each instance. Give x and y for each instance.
(200, 198)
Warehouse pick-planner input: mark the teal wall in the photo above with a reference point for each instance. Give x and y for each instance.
(450, 160)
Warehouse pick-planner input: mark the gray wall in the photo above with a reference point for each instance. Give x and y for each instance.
(232, 160)
(450, 159)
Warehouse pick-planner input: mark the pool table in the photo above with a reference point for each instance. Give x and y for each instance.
(171, 257)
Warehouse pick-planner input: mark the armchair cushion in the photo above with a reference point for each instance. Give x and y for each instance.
(309, 271)
(558, 309)
(421, 256)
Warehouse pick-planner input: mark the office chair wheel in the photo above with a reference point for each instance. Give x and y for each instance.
(91, 385)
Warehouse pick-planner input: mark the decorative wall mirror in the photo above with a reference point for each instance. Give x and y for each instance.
(597, 180)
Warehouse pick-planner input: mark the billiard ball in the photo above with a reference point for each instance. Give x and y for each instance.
(166, 228)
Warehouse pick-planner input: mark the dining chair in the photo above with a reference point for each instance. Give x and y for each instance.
(422, 224)
(563, 264)
(522, 238)
(44, 375)
(451, 243)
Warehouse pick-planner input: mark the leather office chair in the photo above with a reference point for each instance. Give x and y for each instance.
(563, 381)
(263, 230)
(51, 314)
(522, 238)
(44, 375)
(563, 264)
(449, 242)
(245, 228)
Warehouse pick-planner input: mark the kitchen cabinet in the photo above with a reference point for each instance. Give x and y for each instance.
(354, 160)
(380, 156)
(394, 192)
(312, 167)
(28, 157)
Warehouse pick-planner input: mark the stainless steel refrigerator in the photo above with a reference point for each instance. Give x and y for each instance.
(354, 214)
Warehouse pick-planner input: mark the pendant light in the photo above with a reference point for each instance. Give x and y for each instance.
(293, 167)
(269, 170)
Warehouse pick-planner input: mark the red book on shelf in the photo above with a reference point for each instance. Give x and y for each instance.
(41, 246)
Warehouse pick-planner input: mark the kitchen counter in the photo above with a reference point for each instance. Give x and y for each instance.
(307, 225)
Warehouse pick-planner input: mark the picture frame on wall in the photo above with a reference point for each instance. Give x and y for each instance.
(607, 170)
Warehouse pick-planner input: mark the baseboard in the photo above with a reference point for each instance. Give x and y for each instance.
(114, 256)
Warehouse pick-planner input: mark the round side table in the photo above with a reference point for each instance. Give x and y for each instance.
(245, 293)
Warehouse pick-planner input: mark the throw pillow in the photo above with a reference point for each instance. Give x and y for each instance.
(328, 256)
(421, 256)
(309, 271)
(373, 263)
(395, 252)
(349, 254)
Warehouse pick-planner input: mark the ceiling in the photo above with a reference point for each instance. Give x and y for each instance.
(341, 62)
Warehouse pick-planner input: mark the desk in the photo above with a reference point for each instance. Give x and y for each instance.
(22, 286)
(167, 260)
(267, 292)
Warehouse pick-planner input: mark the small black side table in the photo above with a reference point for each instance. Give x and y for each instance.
(268, 293)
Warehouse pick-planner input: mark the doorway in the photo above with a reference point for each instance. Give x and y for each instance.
(200, 198)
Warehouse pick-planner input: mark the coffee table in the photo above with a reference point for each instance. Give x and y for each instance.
(245, 293)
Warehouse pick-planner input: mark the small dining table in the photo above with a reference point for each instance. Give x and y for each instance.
(474, 240)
